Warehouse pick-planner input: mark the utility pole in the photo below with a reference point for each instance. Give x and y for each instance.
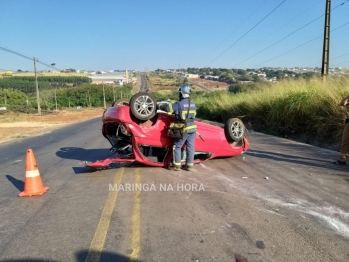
(37, 88)
(326, 45)
(179, 67)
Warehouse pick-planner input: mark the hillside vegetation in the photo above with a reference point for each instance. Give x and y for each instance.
(307, 110)
(304, 108)
(84, 95)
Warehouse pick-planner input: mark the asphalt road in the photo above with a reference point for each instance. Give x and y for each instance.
(281, 201)
(144, 84)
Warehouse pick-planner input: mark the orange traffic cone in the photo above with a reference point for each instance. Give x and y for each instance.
(32, 185)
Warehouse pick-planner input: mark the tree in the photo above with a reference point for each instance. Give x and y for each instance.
(245, 78)
(256, 78)
(241, 72)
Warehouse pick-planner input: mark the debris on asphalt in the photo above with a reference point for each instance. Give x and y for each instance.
(266, 177)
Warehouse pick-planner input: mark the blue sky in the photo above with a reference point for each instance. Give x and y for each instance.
(152, 34)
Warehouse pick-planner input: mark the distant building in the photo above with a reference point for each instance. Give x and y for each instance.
(111, 79)
(8, 73)
(210, 77)
(191, 75)
(262, 75)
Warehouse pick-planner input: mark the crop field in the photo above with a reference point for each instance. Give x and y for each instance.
(50, 74)
(160, 82)
(213, 85)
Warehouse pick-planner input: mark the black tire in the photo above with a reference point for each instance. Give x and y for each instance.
(121, 102)
(143, 106)
(234, 130)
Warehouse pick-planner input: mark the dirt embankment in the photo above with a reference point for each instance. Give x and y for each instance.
(21, 125)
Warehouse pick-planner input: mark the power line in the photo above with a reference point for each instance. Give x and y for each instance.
(248, 32)
(236, 28)
(339, 5)
(331, 59)
(302, 44)
(280, 28)
(290, 50)
(16, 53)
(279, 41)
(342, 63)
(27, 57)
(289, 35)
(36, 80)
(340, 56)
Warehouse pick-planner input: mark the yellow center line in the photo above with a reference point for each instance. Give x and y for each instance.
(136, 220)
(97, 243)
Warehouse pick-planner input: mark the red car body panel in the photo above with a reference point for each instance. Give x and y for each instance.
(213, 141)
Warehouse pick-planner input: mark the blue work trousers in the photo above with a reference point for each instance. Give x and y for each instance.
(189, 141)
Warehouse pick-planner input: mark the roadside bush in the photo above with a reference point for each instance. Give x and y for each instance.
(300, 108)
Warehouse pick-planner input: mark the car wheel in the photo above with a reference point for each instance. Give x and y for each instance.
(234, 130)
(121, 102)
(143, 106)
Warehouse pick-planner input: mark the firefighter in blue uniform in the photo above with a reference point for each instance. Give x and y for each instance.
(180, 109)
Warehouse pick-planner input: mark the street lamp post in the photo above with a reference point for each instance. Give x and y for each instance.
(53, 64)
(326, 44)
(37, 87)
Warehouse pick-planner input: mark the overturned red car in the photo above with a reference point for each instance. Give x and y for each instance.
(137, 132)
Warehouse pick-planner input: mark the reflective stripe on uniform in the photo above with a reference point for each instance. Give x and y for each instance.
(190, 127)
(170, 107)
(184, 113)
(176, 164)
(190, 164)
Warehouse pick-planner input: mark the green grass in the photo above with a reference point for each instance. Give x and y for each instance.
(304, 109)
(160, 81)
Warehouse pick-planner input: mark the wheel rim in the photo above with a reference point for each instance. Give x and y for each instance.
(237, 129)
(144, 105)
